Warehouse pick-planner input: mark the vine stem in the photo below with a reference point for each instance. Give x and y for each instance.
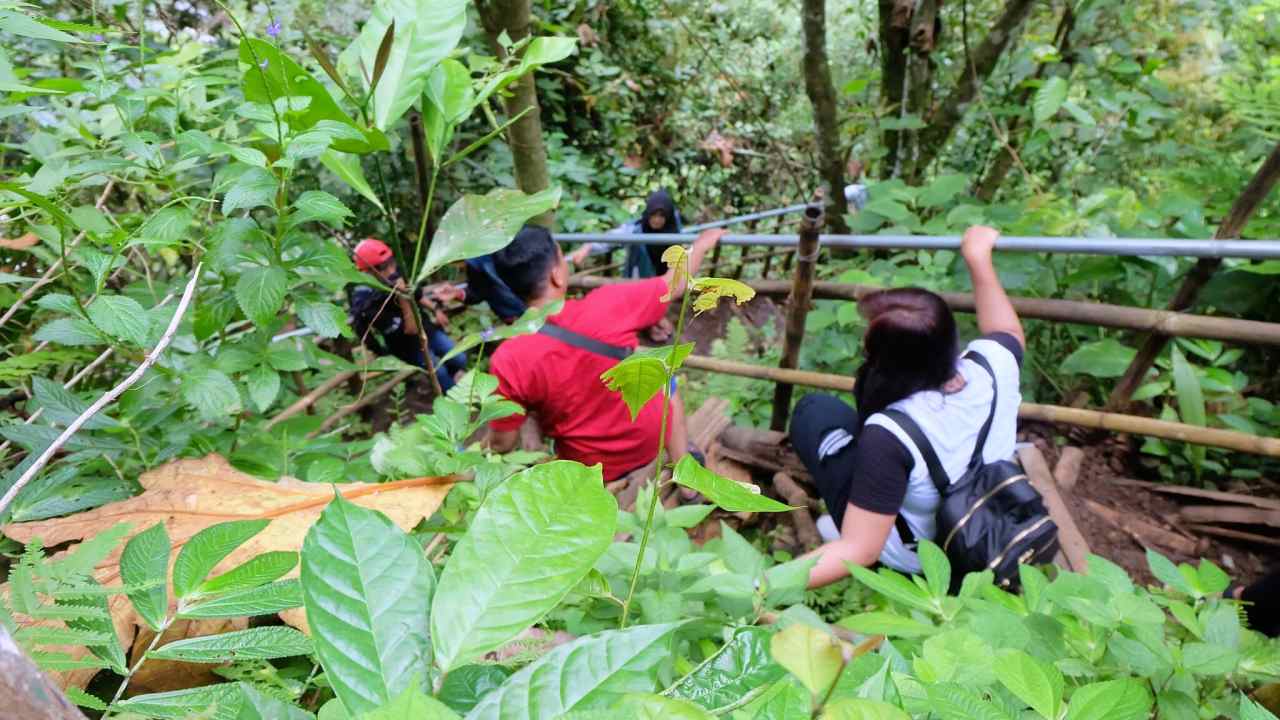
(133, 670)
(662, 442)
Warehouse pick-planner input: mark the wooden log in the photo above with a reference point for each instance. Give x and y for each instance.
(706, 424)
(1067, 471)
(1227, 497)
(1122, 317)
(1234, 534)
(764, 449)
(27, 693)
(1071, 540)
(796, 497)
(797, 310)
(1144, 533)
(1230, 514)
(306, 401)
(1116, 422)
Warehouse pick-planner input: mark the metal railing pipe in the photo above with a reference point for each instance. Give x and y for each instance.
(1131, 247)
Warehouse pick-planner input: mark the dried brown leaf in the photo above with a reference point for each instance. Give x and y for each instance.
(22, 242)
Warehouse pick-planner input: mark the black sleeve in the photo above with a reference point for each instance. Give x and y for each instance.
(1008, 342)
(364, 308)
(881, 468)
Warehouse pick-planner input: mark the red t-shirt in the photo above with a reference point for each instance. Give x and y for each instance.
(560, 384)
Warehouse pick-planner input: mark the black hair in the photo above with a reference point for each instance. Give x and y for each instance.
(526, 263)
(910, 345)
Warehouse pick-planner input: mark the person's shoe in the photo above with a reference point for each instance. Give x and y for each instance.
(827, 528)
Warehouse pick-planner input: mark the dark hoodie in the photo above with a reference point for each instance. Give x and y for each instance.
(658, 201)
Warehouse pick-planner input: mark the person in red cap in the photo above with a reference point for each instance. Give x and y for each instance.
(393, 319)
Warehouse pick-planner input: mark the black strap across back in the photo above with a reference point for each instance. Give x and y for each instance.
(582, 342)
(936, 471)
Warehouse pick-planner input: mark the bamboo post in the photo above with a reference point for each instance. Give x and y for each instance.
(1245, 205)
(797, 310)
(1115, 422)
(1071, 311)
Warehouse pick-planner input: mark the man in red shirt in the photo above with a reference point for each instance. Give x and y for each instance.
(559, 383)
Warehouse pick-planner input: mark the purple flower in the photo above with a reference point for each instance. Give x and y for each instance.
(273, 30)
(97, 37)
(486, 334)
(263, 65)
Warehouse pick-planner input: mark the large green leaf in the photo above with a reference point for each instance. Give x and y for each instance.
(261, 643)
(413, 704)
(255, 187)
(742, 665)
(270, 75)
(862, 709)
(1034, 682)
(347, 168)
(466, 686)
(254, 572)
(1103, 359)
(540, 51)
(951, 701)
(725, 493)
(260, 292)
(477, 225)
(1049, 98)
(426, 32)
(146, 560)
(62, 407)
(120, 317)
(1124, 699)
(638, 378)
(1191, 406)
(367, 588)
(27, 26)
(211, 393)
(813, 656)
(222, 701)
(206, 549)
(591, 672)
(533, 540)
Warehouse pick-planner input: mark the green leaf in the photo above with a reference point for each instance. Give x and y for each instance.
(1049, 98)
(884, 623)
(739, 667)
(655, 707)
(687, 516)
(120, 317)
(809, 654)
(603, 667)
(725, 493)
(862, 709)
(530, 322)
(466, 686)
(167, 227)
(260, 292)
(325, 319)
(367, 588)
(937, 569)
(412, 704)
(62, 407)
(1111, 700)
(206, 549)
(264, 385)
(942, 190)
(254, 188)
(1081, 115)
(282, 77)
(476, 225)
(536, 536)
(319, 205)
(68, 331)
(539, 51)
(950, 701)
(450, 98)
(893, 586)
(211, 393)
(258, 570)
(265, 600)
(221, 701)
(262, 643)
(639, 378)
(426, 32)
(1208, 659)
(1166, 572)
(84, 699)
(1250, 710)
(347, 168)
(27, 26)
(1103, 359)
(145, 560)
(1035, 683)
(711, 289)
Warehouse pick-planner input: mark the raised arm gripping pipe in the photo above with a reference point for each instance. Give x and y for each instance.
(1131, 247)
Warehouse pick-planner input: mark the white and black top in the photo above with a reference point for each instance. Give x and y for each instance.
(890, 476)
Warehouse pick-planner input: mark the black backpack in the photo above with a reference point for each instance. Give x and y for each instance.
(989, 519)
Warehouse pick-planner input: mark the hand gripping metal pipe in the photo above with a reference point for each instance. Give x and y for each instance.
(1132, 247)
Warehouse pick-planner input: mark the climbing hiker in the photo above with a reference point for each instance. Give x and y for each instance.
(870, 472)
(484, 285)
(555, 374)
(392, 317)
(660, 215)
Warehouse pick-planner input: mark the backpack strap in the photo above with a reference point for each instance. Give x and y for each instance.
(582, 342)
(991, 415)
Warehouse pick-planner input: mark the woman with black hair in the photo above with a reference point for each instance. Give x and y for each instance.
(874, 481)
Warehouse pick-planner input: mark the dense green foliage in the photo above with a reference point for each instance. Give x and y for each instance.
(250, 145)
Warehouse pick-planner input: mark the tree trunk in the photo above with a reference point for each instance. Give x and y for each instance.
(525, 135)
(920, 85)
(985, 58)
(27, 693)
(895, 35)
(822, 95)
(1243, 208)
(996, 174)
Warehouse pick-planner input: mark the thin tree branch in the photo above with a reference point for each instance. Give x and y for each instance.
(110, 395)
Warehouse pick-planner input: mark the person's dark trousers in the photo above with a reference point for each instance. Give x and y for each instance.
(1263, 608)
(814, 419)
(439, 342)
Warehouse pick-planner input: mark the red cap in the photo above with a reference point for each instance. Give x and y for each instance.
(371, 253)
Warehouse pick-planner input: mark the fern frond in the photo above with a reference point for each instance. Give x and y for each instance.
(61, 662)
(47, 635)
(85, 557)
